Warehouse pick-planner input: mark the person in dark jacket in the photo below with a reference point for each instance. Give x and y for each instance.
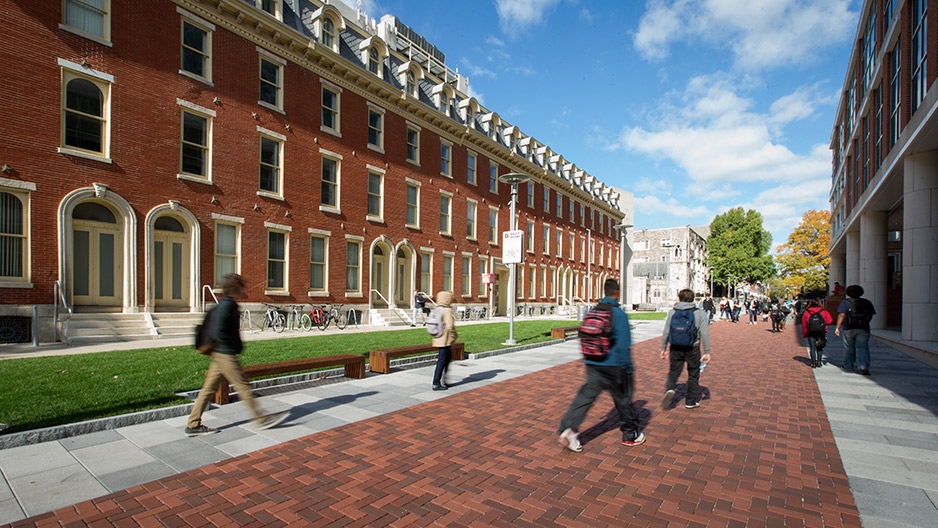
(613, 374)
(679, 356)
(225, 330)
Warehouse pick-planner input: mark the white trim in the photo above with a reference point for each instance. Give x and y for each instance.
(279, 227)
(271, 133)
(227, 218)
(321, 232)
(16, 184)
(271, 56)
(194, 107)
(86, 70)
(201, 21)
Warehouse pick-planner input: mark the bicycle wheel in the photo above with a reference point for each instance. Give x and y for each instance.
(306, 323)
(341, 320)
(324, 321)
(279, 322)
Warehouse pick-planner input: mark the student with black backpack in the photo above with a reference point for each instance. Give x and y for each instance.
(814, 323)
(854, 315)
(686, 330)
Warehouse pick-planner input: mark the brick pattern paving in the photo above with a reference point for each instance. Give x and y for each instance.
(758, 452)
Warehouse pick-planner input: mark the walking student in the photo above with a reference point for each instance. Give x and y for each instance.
(814, 323)
(225, 331)
(444, 342)
(854, 314)
(613, 374)
(686, 330)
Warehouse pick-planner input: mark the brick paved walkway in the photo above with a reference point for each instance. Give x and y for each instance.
(758, 452)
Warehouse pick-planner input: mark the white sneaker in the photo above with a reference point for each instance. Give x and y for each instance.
(666, 401)
(271, 420)
(569, 439)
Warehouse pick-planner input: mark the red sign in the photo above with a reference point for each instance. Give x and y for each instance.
(488, 278)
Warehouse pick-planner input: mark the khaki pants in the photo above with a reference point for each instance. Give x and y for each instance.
(227, 366)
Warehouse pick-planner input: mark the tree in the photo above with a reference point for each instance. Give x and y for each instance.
(804, 261)
(738, 247)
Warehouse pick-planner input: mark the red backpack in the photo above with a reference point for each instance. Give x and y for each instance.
(596, 333)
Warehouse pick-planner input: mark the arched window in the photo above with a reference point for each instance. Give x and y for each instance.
(168, 223)
(444, 102)
(411, 86)
(84, 115)
(373, 60)
(328, 33)
(12, 237)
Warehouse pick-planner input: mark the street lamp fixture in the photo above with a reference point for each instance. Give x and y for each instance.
(513, 179)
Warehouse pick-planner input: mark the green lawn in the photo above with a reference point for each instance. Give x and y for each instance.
(46, 391)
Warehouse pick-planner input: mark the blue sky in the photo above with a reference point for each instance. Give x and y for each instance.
(694, 106)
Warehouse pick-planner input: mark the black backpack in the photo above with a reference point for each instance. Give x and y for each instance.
(596, 333)
(204, 343)
(816, 323)
(683, 329)
(859, 314)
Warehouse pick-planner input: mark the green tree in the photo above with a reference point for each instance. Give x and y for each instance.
(738, 247)
(804, 261)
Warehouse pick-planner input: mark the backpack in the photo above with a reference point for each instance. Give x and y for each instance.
(435, 326)
(204, 343)
(596, 333)
(859, 314)
(683, 330)
(816, 323)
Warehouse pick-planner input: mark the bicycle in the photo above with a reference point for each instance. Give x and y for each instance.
(274, 319)
(294, 318)
(315, 317)
(334, 314)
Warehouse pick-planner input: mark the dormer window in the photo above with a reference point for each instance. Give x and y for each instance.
(444, 102)
(373, 52)
(373, 61)
(411, 84)
(328, 33)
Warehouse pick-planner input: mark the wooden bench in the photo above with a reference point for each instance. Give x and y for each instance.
(380, 360)
(561, 331)
(354, 368)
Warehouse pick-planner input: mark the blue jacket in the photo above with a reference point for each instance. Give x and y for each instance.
(621, 353)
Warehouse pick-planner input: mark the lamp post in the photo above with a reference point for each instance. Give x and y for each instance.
(710, 272)
(512, 178)
(623, 229)
(589, 265)
(667, 274)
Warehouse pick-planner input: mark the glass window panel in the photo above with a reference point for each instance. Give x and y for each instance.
(106, 261)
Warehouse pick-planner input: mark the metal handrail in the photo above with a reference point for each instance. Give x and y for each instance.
(390, 311)
(59, 295)
(211, 291)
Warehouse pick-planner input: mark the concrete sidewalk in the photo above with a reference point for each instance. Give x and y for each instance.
(774, 441)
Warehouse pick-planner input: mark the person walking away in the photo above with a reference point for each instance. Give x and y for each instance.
(854, 315)
(444, 342)
(419, 303)
(707, 306)
(685, 330)
(225, 331)
(814, 323)
(613, 374)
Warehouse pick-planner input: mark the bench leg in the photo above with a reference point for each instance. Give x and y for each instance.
(355, 370)
(459, 351)
(379, 363)
(221, 395)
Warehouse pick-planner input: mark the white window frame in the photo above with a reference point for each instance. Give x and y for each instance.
(472, 168)
(104, 37)
(21, 191)
(472, 218)
(285, 231)
(209, 115)
(413, 146)
(448, 270)
(357, 267)
(208, 28)
(379, 173)
(493, 177)
(446, 158)
(335, 112)
(529, 236)
(466, 274)
(276, 6)
(493, 226)
(236, 223)
(102, 81)
(337, 184)
(374, 110)
(279, 64)
(280, 140)
(325, 236)
(446, 214)
(412, 184)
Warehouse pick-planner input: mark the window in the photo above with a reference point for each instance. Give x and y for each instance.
(195, 156)
(559, 208)
(546, 200)
(330, 183)
(545, 239)
(352, 266)
(919, 77)
(196, 56)
(271, 87)
(471, 168)
(583, 250)
(330, 109)
(493, 226)
(328, 33)
(411, 84)
(413, 205)
(570, 203)
(374, 60)
(444, 102)
(446, 159)
(558, 243)
(413, 144)
(895, 99)
(530, 196)
(529, 237)
(471, 208)
(582, 216)
(276, 260)
(85, 109)
(375, 194)
(448, 271)
(271, 7)
(14, 236)
(318, 249)
(532, 277)
(493, 177)
(466, 270)
(270, 168)
(483, 270)
(376, 128)
(91, 17)
(226, 250)
(570, 243)
(446, 214)
(426, 272)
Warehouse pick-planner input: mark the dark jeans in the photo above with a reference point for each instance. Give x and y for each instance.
(443, 358)
(691, 356)
(616, 380)
(813, 349)
(856, 348)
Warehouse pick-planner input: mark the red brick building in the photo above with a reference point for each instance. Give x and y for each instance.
(150, 147)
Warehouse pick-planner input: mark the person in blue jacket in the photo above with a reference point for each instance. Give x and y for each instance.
(613, 374)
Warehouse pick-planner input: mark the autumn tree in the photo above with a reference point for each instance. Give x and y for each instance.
(804, 261)
(738, 247)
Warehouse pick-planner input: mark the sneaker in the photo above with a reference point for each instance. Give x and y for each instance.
(640, 439)
(666, 401)
(692, 405)
(569, 439)
(201, 430)
(865, 372)
(413, 325)
(440, 387)
(271, 420)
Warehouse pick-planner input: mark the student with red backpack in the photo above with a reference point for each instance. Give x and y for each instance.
(686, 330)
(814, 323)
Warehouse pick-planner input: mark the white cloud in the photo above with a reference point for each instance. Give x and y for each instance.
(521, 15)
(654, 206)
(760, 35)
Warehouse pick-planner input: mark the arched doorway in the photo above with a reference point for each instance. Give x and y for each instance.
(97, 256)
(381, 254)
(170, 265)
(404, 276)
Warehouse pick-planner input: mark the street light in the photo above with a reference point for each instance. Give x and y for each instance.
(667, 274)
(623, 230)
(512, 178)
